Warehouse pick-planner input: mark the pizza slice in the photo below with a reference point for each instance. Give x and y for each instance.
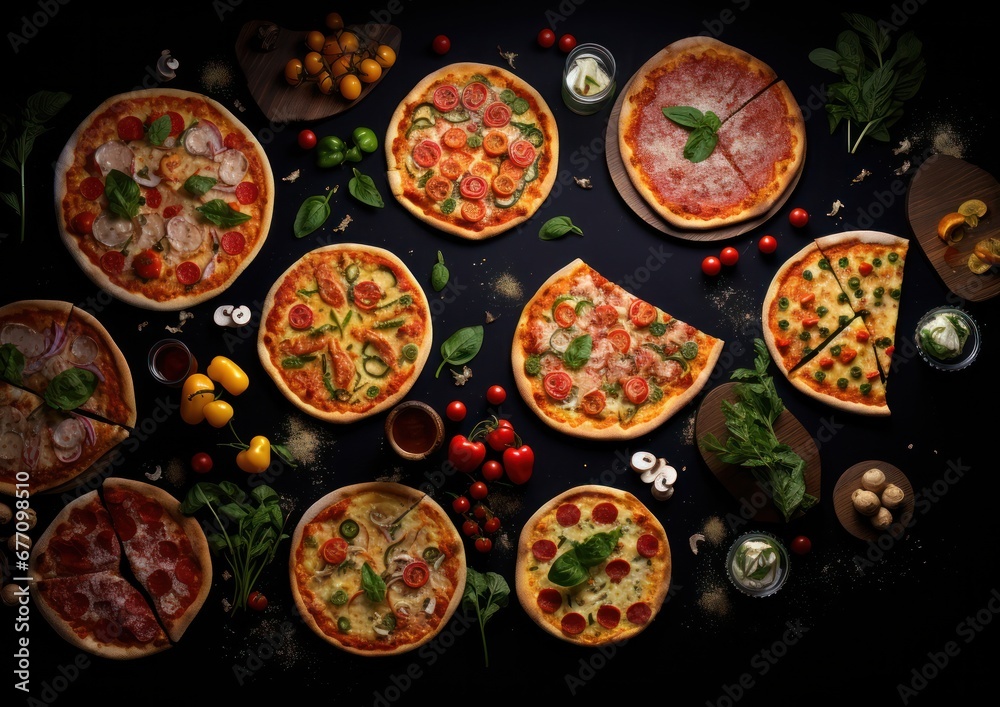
(35, 328)
(79, 540)
(845, 373)
(166, 550)
(803, 306)
(869, 267)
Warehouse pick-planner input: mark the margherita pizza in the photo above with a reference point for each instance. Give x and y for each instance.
(163, 197)
(345, 331)
(472, 150)
(377, 568)
(66, 397)
(593, 360)
(593, 566)
(78, 584)
(829, 317)
(740, 103)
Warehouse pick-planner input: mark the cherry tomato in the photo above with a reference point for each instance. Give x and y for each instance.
(492, 470)
(478, 490)
(767, 244)
(470, 528)
(546, 38)
(441, 44)
(455, 411)
(300, 316)
(496, 394)
(484, 545)
(801, 545)
(798, 217)
(492, 525)
(501, 436)
(83, 223)
(460, 504)
(201, 463)
(479, 511)
(416, 574)
(566, 43)
(350, 87)
(257, 601)
(711, 265)
(729, 256)
(307, 139)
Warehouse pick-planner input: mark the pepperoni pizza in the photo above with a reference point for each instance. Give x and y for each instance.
(593, 566)
(472, 150)
(163, 197)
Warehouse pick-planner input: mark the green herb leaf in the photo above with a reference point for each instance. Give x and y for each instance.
(363, 188)
(702, 126)
(570, 568)
(557, 227)
(484, 594)
(159, 130)
(372, 584)
(461, 347)
(198, 184)
(11, 363)
(439, 274)
(71, 388)
(312, 214)
(123, 194)
(297, 361)
(222, 214)
(578, 352)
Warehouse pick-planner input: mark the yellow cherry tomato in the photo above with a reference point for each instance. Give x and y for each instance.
(350, 87)
(325, 82)
(348, 42)
(294, 72)
(198, 390)
(334, 21)
(256, 457)
(231, 376)
(331, 49)
(315, 40)
(385, 56)
(340, 66)
(369, 71)
(218, 413)
(313, 63)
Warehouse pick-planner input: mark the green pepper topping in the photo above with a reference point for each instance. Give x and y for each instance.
(866, 388)
(343, 624)
(895, 294)
(821, 311)
(824, 331)
(410, 352)
(783, 303)
(339, 598)
(533, 365)
(804, 335)
(350, 529)
(835, 350)
(820, 376)
(854, 283)
(893, 257)
(843, 262)
(843, 319)
(783, 323)
(877, 262)
(842, 383)
(824, 264)
(657, 328)
(842, 298)
(430, 554)
(807, 274)
(855, 371)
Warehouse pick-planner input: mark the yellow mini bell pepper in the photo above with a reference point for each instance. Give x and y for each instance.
(257, 457)
(218, 413)
(198, 390)
(231, 376)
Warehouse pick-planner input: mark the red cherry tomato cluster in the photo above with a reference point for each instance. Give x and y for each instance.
(712, 265)
(546, 38)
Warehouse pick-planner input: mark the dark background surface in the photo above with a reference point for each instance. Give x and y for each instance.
(909, 621)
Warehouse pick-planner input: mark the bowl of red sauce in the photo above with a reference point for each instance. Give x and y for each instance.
(414, 430)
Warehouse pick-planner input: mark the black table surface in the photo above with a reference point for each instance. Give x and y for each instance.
(907, 620)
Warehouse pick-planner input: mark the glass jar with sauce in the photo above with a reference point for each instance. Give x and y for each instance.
(171, 361)
(588, 79)
(414, 430)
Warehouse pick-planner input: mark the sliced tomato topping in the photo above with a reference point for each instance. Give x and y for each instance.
(153, 197)
(558, 385)
(474, 211)
(522, 153)
(83, 223)
(509, 168)
(889, 350)
(826, 362)
(482, 169)
(426, 153)
(247, 192)
(636, 390)
(235, 141)
(367, 295)
(609, 616)
(807, 298)
(233, 242)
(872, 375)
(454, 138)
(620, 340)
(564, 314)
(300, 316)
(865, 268)
(473, 187)
(847, 355)
(642, 313)
(188, 272)
(451, 168)
(503, 185)
(416, 574)
(496, 115)
(334, 551)
(494, 143)
(438, 188)
(92, 188)
(549, 600)
(474, 95)
(172, 210)
(445, 98)
(593, 402)
(810, 321)
(147, 264)
(605, 314)
(862, 335)
(130, 128)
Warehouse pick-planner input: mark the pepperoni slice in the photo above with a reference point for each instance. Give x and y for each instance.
(445, 98)
(85, 518)
(568, 514)
(620, 340)
(168, 550)
(647, 545)
(233, 242)
(454, 138)
(235, 141)
(187, 572)
(474, 95)
(496, 115)
(473, 187)
(92, 188)
(150, 511)
(474, 211)
(176, 121)
(437, 187)
(130, 128)
(153, 197)
(247, 192)
(544, 550)
(522, 153)
(558, 385)
(300, 316)
(107, 540)
(604, 513)
(159, 583)
(426, 153)
(549, 600)
(573, 623)
(71, 556)
(642, 313)
(76, 605)
(367, 295)
(639, 613)
(636, 390)
(593, 402)
(617, 570)
(609, 616)
(125, 527)
(188, 272)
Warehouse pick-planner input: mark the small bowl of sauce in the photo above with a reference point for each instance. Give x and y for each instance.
(170, 362)
(414, 430)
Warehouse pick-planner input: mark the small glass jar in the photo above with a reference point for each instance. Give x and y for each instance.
(588, 83)
(171, 362)
(757, 564)
(936, 319)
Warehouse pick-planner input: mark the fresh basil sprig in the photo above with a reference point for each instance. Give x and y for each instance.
(11, 363)
(558, 227)
(570, 568)
(363, 188)
(159, 130)
(71, 388)
(439, 274)
(123, 194)
(703, 129)
(222, 214)
(578, 352)
(199, 184)
(461, 347)
(372, 584)
(485, 594)
(312, 214)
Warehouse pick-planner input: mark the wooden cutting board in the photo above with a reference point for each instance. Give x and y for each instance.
(858, 525)
(754, 504)
(939, 186)
(265, 73)
(641, 207)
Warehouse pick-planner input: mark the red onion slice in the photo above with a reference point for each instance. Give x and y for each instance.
(112, 231)
(114, 154)
(204, 139)
(183, 235)
(233, 166)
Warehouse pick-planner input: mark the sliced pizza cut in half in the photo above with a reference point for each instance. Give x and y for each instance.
(79, 540)
(845, 374)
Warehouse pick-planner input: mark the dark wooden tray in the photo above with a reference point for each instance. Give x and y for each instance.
(858, 525)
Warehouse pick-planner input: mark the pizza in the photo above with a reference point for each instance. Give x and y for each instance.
(79, 583)
(472, 150)
(163, 197)
(593, 360)
(593, 566)
(66, 394)
(758, 127)
(830, 314)
(345, 331)
(377, 568)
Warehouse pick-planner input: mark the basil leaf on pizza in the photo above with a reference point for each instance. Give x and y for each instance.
(221, 213)
(71, 388)
(11, 363)
(704, 130)
(159, 130)
(199, 185)
(123, 194)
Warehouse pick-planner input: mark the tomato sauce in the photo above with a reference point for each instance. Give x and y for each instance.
(414, 431)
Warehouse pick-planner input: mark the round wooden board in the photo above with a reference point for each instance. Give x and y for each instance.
(265, 71)
(641, 207)
(940, 185)
(740, 481)
(858, 525)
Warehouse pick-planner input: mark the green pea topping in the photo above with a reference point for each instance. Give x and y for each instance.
(842, 383)
(821, 310)
(843, 319)
(824, 331)
(855, 371)
(835, 350)
(783, 303)
(824, 264)
(819, 376)
(893, 257)
(877, 262)
(895, 294)
(859, 293)
(807, 274)
(854, 283)
(783, 323)
(878, 292)
(804, 335)
(842, 298)
(866, 388)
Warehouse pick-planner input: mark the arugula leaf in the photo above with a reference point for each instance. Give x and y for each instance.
(312, 214)
(557, 227)
(703, 129)
(461, 347)
(485, 594)
(362, 188)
